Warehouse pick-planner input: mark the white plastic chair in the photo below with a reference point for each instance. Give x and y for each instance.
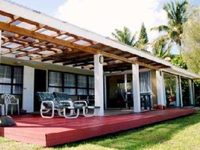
(10, 100)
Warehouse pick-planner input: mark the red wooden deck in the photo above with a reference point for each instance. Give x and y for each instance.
(51, 132)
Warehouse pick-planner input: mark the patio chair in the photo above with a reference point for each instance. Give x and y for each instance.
(73, 106)
(89, 108)
(50, 104)
(10, 100)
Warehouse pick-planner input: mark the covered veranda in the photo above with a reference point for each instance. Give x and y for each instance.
(28, 37)
(31, 39)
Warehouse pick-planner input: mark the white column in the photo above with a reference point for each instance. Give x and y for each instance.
(125, 88)
(98, 82)
(136, 88)
(161, 94)
(28, 89)
(105, 93)
(0, 46)
(191, 92)
(177, 92)
(181, 92)
(193, 89)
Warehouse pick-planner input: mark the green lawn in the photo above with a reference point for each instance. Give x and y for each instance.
(182, 133)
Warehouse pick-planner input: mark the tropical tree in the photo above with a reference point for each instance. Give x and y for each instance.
(125, 36)
(177, 16)
(143, 38)
(178, 61)
(161, 49)
(191, 42)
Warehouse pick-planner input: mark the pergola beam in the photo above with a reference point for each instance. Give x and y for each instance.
(25, 32)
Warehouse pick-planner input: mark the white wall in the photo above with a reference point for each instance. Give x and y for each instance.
(28, 89)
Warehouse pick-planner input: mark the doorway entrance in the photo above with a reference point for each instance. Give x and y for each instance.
(40, 86)
(185, 92)
(118, 90)
(170, 89)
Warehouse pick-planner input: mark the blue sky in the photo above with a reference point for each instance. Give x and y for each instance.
(51, 6)
(46, 6)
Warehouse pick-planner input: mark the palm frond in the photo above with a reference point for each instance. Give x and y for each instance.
(161, 28)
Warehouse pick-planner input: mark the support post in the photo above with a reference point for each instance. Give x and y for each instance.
(136, 88)
(191, 92)
(161, 94)
(125, 89)
(181, 92)
(194, 96)
(98, 83)
(177, 92)
(28, 89)
(0, 46)
(105, 92)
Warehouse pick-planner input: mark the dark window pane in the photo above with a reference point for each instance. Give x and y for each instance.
(5, 89)
(82, 81)
(82, 91)
(91, 82)
(91, 92)
(18, 75)
(5, 74)
(55, 79)
(55, 89)
(70, 91)
(69, 80)
(17, 89)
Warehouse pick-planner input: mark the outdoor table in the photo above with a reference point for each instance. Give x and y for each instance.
(87, 108)
(78, 105)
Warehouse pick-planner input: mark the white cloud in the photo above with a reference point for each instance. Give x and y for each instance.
(103, 16)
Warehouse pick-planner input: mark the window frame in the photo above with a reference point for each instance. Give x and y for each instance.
(76, 87)
(12, 84)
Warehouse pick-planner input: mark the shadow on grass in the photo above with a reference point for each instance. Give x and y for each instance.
(144, 137)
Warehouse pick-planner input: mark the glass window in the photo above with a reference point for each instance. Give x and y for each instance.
(145, 82)
(69, 80)
(5, 74)
(72, 84)
(82, 91)
(82, 81)
(17, 89)
(11, 79)
(5, 89)
(91, 82)
(91, 92)
(55, 89)
(55, 79)
(70, 91)
(17, 79)
(170, 89)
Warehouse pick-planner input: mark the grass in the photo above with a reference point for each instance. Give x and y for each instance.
(182, 133)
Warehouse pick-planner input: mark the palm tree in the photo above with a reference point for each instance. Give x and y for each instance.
(177, 16)
(124, 36)
(161, 48)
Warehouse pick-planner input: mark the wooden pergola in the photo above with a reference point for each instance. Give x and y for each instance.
(26, 39)
(32, 36)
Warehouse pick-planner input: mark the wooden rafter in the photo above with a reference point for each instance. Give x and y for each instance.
(111, 52)
(25, 32)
